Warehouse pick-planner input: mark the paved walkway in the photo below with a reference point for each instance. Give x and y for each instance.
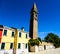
(51, 51)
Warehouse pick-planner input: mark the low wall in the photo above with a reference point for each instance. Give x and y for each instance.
(41, 48)
(18, 51)
(6, 51)
(21, 51)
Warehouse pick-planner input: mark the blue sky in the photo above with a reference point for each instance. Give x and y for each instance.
(16, 13)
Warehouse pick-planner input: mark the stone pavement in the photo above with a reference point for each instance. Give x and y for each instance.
(51, 51)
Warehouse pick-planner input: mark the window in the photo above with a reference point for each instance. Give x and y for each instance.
(12, 34)
(19, 34)
(36, 15)
(3, 46)
(19, 45)
(26, 35)
(26, 46)
(11, 45)
(5, 32)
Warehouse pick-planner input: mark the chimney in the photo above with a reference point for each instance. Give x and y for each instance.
(22, 29)
(1, 26)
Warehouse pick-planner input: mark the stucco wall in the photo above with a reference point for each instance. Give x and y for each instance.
(41, 48)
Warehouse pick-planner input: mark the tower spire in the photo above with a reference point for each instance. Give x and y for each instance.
(33, 33)
(34, 8)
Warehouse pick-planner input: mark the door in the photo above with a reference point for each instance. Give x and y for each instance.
(23, 47)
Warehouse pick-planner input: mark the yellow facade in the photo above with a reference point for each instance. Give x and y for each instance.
(23, 38)
(8, 39)
(7, 46)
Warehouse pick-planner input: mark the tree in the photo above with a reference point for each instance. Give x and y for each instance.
(39, 39)
(33, 42)
(53, 38)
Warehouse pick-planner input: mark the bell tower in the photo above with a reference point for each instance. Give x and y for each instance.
(33, 32)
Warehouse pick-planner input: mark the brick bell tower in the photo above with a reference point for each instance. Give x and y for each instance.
(33, 32)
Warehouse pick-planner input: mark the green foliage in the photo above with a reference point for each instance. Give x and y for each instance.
(53, 39)
(57, 43)
(39, 39)
(33, 42)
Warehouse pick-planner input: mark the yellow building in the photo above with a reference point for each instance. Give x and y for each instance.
(13, 38)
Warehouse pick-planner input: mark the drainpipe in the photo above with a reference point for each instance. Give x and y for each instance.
(15, 41)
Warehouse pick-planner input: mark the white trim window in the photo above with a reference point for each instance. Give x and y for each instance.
(26, 36)
(5, 32)
(19, 45)
(12, 34)
(11, 45)
(26, 45)
(19, 34)
(2, 45)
